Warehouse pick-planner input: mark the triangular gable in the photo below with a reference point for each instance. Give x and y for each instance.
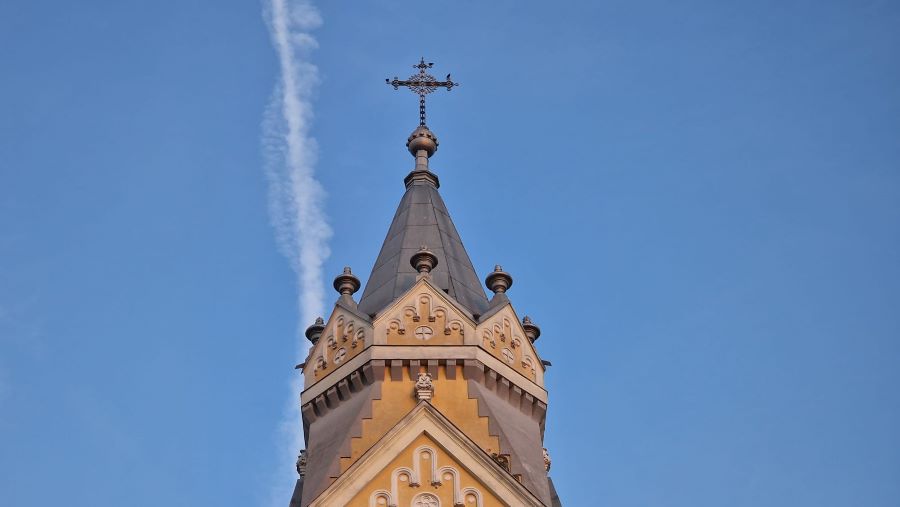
(424, 315)
(346, 334)
(503, 337)
(427, 420)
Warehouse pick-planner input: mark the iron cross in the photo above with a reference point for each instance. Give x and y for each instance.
(422, 84)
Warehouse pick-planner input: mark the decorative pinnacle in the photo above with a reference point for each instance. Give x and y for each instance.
(499, 281)
(532, 331)
(422, 83)
(422, 144)
(423, 261)
(346, 283)
(314, 332)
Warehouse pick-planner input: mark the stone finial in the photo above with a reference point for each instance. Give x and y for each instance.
(422, 139)
(422, 143)
(314, 332)
(423, 261)
(499, 281)
(532, 331)
(346, 283)
(546, 460)
(301, 463)
(424, 387)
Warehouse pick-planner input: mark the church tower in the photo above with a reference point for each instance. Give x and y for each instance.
(424, 392)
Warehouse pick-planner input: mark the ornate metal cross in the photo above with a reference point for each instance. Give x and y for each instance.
(422, 84)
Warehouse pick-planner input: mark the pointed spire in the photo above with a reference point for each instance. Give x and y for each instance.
(422, 219)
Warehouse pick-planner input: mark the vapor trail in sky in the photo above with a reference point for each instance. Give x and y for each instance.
(295, 196)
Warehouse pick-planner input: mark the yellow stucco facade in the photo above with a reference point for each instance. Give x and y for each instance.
(397, 400)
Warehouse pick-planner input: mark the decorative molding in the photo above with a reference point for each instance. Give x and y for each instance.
(406, 353)
(343, 337)
(437, 477)
(423, 306)
(421, 318)
(504, 337)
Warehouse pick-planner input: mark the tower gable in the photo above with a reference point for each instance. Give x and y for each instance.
(502, 335)
(346, 334)
(424, 315)
(425, 454)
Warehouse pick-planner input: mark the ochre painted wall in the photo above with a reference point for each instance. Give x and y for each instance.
(398, 399)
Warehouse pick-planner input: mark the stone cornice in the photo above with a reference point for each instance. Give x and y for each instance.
(390, 353)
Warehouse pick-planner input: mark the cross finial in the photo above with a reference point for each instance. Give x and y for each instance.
(422, 84)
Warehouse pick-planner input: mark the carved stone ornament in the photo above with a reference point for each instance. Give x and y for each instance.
(426, 500)
(424, 387)
(301, 463)
(502, 460)
(546, 460)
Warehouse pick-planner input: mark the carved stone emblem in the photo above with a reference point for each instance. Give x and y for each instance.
(424, 387)
(426, 500)
(546, 460)
(423, 332)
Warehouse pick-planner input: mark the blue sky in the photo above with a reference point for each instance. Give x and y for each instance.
(699, 203)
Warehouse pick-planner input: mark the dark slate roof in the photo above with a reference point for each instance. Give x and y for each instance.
(422, 220)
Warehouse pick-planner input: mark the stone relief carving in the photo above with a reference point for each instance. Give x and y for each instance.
(426, 500)
(424, 387)
(342, 330)
(528, 364)
(425, 466)
(488, 337)
(546, 459)
(423, 332)
(425, 309)
(502, 460)
(503, 337)
(301, 463)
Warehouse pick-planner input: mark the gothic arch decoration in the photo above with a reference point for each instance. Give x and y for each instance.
(504, 338)
(380, 498)
(345, 336)
(422, 317)
(426, 500)
(425, 467)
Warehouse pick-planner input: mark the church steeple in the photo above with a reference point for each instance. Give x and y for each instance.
(422, 219)
(424, 393)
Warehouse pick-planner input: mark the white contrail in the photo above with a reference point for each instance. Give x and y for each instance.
(295, 196)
